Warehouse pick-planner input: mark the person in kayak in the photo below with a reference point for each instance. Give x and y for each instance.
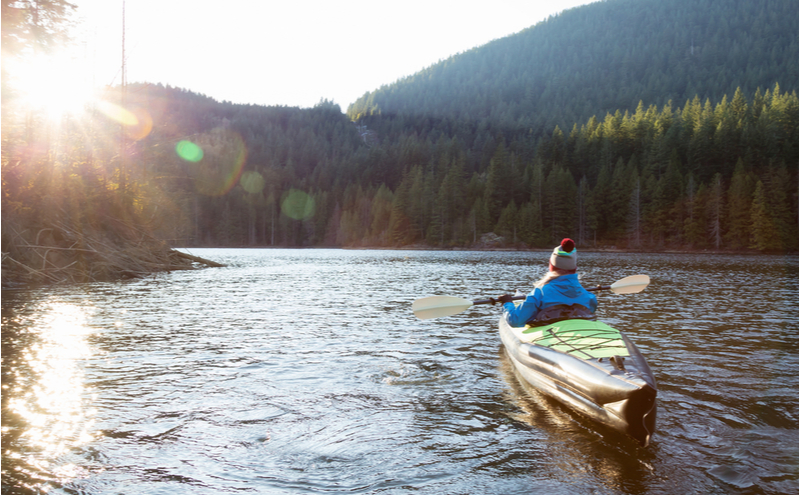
(558, 294)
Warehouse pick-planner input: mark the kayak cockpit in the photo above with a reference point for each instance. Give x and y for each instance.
(560, 312)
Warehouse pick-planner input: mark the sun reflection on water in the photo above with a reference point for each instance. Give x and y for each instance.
(48, 398)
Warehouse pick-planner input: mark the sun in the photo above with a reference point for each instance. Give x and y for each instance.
(56, 85)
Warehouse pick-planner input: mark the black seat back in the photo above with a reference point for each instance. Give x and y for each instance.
(561, 312)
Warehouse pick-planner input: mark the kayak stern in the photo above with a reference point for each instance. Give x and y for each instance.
(590, 367)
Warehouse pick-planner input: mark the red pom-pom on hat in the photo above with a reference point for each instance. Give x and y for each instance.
(564, 257)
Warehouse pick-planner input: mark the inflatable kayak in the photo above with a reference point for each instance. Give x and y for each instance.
(585, 364)
(589, 366)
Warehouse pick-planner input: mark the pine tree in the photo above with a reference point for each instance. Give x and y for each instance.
(776, 188)
(602, 191)
(694, 226)
(420, 202)
(740, 201)
(322, 213)
(381, 216)
(560, 200)
(622, 180)
(401, 231)
(727, 135)
(716, 211)
(449, 205)
(635, 214)
(498, 182)
(479, 219)
(765, 237)
(584, 211)
(529, 224)
(507, 223)
(739, 108)
(701, 144)
(665, 222)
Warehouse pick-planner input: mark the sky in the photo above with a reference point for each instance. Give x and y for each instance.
(288, 52)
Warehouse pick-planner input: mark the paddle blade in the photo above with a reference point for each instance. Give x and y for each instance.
(630, 285)
(437, 306)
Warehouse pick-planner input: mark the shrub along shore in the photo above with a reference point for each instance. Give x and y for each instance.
(60, 254)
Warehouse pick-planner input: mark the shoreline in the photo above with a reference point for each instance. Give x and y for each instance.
(750, 252)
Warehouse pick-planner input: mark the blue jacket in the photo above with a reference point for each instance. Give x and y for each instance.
(565, 289)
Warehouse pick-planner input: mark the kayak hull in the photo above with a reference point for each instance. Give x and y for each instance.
(590, 367)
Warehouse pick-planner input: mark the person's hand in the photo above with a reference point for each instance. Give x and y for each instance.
(505, 298)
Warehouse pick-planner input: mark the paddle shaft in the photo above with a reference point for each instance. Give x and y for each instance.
(438, 306)
(493, 300)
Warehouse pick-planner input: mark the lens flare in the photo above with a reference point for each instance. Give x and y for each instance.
(143, 126)
(252, 182)
(223, 158)
(117, 113)
(136, 122)
(298, 205)
(189, 151)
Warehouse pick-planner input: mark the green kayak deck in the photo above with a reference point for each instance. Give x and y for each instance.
(583, 339)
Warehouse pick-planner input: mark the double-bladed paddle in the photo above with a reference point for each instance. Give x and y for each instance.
(437, 306)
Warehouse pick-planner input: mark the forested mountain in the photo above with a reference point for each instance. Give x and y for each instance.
(637, 124)
(604, 57)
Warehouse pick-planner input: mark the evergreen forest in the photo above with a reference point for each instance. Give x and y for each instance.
(603, 57)
(631, 124)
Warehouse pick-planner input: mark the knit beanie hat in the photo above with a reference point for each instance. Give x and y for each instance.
(564, 257)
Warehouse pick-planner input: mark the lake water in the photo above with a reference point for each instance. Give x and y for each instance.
(305, 371)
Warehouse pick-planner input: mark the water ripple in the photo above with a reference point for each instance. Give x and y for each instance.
(304, 371)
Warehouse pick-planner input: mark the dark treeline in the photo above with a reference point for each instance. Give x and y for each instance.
(705, 175)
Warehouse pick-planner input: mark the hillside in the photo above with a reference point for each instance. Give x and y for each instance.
(604, 57)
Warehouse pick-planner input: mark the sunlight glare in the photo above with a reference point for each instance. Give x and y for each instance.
(54, 407)
(52, 84)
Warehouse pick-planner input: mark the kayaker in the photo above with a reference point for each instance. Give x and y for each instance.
(559, 290)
